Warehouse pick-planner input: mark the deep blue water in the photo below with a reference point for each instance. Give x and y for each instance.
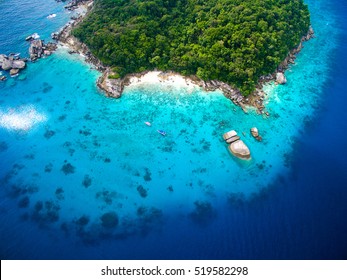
(289, 202)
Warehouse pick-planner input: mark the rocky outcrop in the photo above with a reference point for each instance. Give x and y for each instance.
(280, 78)
(73, 5)
(236, 146)
(255, 133)
(11, 63)
(39, 49)
(239, 149)
(18, 64)
(256, 98)
(6, 64)
(112, 87)
(229, 92)
(64, 36)
(229, 134)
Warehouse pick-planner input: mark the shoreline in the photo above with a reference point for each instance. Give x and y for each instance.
(114, 87)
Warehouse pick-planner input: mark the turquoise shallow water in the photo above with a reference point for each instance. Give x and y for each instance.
(69, 155)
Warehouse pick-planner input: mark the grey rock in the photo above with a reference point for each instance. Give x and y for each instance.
(14, 71)
(112, 87)
(240, 150)
(47, 53)
(6, 64)
(19, 64)
(280, 78)
(254, 132)
(2, 58)
(229, 134)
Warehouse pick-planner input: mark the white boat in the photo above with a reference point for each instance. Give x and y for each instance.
(14, 54)
(148, 123)
(51, 16)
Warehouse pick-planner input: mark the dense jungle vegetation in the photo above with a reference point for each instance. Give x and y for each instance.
(235, 41)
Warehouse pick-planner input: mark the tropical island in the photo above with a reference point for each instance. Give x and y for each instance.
(234, 41)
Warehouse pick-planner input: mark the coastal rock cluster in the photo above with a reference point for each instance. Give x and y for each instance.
(64, 36)
(39, 49)
(112, 87)
(73, 5)
(232, 93)
(256, 99)
(12, 63)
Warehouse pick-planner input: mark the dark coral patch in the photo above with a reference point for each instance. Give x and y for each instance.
(3, 146)
(48, 167)
(46, 213)
(87, 117)
(38, 206)
(236, 200)
(107, 196)
(24, 202)
(203, 213)
(109, 220)
(82, 221)
(148, 219)
(49, 133)
(142, 191)
(47, 87)
(59, 193)
(85, 132)
(87, 181)
(147, 176)
(62, 118)
(68, 168)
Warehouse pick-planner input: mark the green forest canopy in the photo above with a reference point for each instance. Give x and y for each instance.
(234, 41)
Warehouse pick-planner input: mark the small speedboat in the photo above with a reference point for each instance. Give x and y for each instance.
(148, 123)
(14, 54)
(162, 132)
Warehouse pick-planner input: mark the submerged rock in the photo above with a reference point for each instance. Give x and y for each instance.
(109, 220)
(240, 150)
